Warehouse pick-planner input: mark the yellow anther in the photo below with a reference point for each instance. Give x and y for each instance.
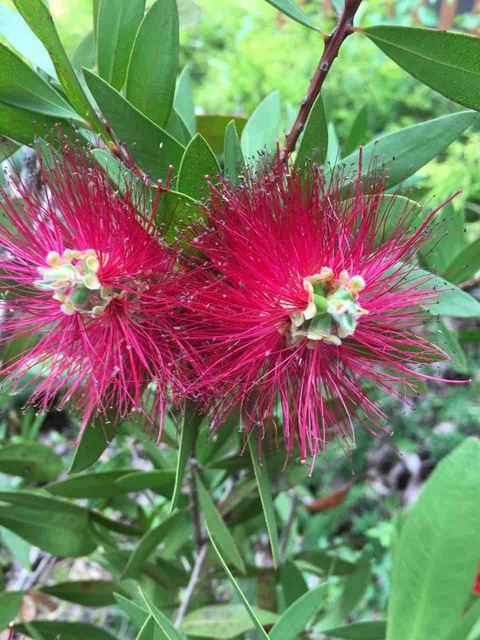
(53, 259)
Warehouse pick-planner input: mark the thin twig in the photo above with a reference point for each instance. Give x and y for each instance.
(192, 583)
(333, 43)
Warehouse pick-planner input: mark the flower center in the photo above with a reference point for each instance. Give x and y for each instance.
(332, 311)
(72, 277)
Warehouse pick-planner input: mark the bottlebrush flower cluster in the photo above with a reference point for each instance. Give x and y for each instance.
(292, 300)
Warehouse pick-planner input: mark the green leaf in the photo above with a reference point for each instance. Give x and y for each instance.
(261, 130)
(148, 543)
(234, 161)
(218, 528)
(296, 618)
(465, 265)
(447, 62)
(213, 129)
(183, 100)
(85, 54)
(447, 241)
(53, 629)
(14, 29)
(23, 126)
(99, 484)
(294, 585)
(21, 86)
(89, 593)
(290, 9)
(223, 621)
(453, 302)
(10, 602)
(177, 128)
(152, 71)
(466, 624)
(265, 491)
(162, 621)
(95, 440)
(436, 557)
(19, 548)
(450, 343)
(173, 210)
(118, 21)
(350, 596)
(258, 625)
(56, 526)
(33, 461)
(412, 147)
(357, 131)
(151, 147)
(188, 433)
(314, 141)
(324, 563)
(115, 525)
(161, 481)
(37, 16)
(375, 630)
(137, 614)
(198, 161)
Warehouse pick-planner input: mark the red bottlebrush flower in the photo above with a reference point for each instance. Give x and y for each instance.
(299, 302)
(86, 283)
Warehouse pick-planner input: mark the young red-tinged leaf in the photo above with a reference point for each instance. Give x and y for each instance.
(265, 491)
(258, 625)
(198, 161)
(218, 528)
(447, 62)
(436, 557)
(152, 70)
(118, 21)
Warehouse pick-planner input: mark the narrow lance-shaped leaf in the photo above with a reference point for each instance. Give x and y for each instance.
(118, 21)
(94, 441)
(152, 71)
(261, 130)
(261, 631)
(217, 527)
(448, 62)
(375, 630)
(162, 621)
(265, 491)
(314, 141)
(296, 618)
(223, 621)
(183, 100)
(36, 14)
(14, 29)
(189, 429)
(290, 9)
(405, 151)
(234, 161)
(152, 148)
(198, 162)
(436, 557)
(357, 131)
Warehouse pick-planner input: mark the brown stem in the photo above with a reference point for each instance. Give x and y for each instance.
(333, 43)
